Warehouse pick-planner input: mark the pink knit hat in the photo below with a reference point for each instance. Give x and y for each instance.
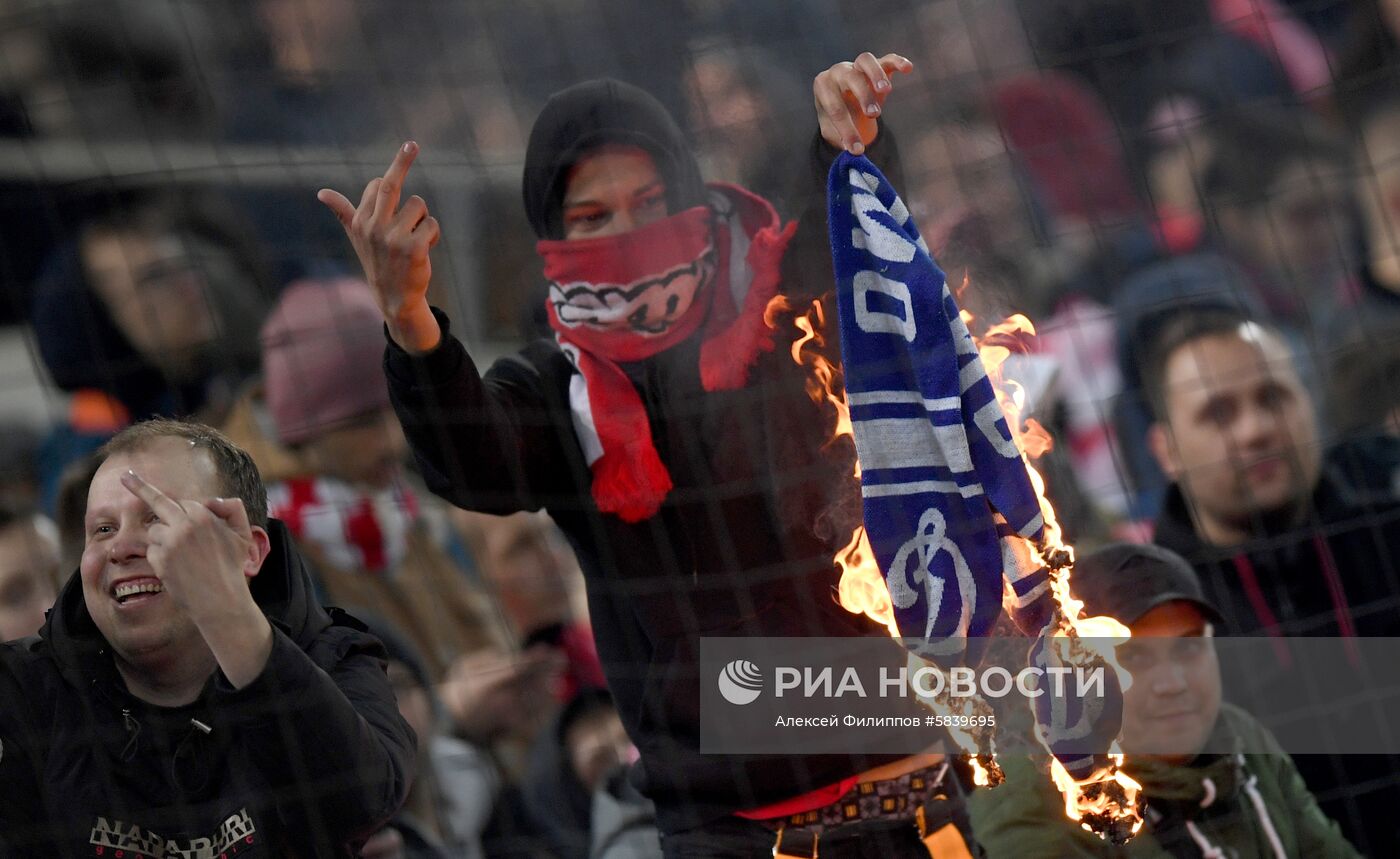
(322, 352)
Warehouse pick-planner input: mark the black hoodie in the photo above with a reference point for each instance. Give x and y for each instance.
(1342, 559)
(305, 761)
(742, 546)
(1335, 570)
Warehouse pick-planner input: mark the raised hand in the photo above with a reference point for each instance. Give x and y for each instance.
(392, 243)
(204, 553)
(851, 96)
(489, 693)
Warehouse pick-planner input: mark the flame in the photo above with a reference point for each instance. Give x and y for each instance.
(823, 378)
(1106, 801)
(1098, 801)
(862, 589)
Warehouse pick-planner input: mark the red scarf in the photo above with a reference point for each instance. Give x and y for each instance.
(624, 298)
(353, 528)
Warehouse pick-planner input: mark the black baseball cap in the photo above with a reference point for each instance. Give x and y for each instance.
(1127, 580)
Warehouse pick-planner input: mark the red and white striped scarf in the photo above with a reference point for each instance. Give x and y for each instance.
(711, 269)
(352, 528)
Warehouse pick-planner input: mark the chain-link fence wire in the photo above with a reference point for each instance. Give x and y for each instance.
(1096, 164)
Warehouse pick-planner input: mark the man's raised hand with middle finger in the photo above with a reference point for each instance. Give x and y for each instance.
(204, 553)
(166, 581)
(392, 243)
(850, 98)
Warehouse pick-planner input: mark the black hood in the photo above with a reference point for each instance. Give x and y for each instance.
(81, 344)
(588, 115)
(560, 804)
(282, 589)
(1164, 290)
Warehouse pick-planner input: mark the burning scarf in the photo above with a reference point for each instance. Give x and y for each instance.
(353, 529)
(947, 499)
(942, 481)
(618, 299)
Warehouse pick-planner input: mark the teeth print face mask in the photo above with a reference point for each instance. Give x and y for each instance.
(630, 295)
(708, 271)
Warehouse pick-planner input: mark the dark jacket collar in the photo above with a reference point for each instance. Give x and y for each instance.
(1355, 475)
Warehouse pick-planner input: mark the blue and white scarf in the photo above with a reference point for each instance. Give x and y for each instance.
(943, 484)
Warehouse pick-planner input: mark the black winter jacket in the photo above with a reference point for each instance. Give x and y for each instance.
(742, 546)
(1352, 525)
(305, 761)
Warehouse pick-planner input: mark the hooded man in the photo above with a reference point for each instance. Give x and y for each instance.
(187, 696)
(667, 436)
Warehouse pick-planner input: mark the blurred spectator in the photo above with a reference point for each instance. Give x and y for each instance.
(1060, 130)
(982, 215)
(29, 571)
(1362, 396)
(1272, 27)
(570, 763)
(1368, 46)
(1198, 800)
(1289, 218)
(956, 46)
(305, 71)
(623, 820)
(332, 453)
(740, 104)
(570, 42)
(460, 805)
(532, 573)
(995, 192)
(1373, 294)
(327, 75)
(1208, 82)
(1145, 301)
(118, 70)
(1082, 338)
(1111, 44)
(1064, 136)
(19, 464)
(147, 312)
(1282, 541)
(802, 34)
(70, 506)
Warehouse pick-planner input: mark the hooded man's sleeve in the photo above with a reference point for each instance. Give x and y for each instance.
(483, 443)
(807, 270)
(331, 743)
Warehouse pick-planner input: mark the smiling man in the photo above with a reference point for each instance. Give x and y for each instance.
(1199, 800)
(187, 693)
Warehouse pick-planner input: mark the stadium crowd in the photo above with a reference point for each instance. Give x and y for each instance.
(1197, 203)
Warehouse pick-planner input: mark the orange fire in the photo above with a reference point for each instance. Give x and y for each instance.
(1107, 800)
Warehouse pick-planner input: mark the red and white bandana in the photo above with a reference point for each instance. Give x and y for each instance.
(624, 298)
(353, 529)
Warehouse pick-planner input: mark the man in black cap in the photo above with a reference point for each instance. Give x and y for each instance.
(1199, 801)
